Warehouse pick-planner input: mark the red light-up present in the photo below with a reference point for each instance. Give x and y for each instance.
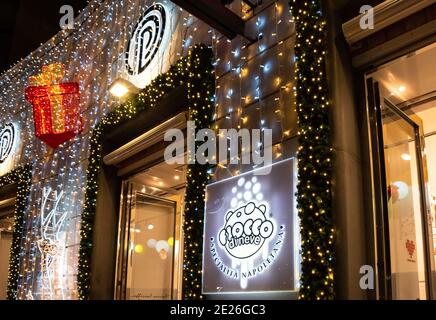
(56, 108)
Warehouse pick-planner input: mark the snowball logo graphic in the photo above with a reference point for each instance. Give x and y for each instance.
(246, 191)
(246, 225)
(246, 230)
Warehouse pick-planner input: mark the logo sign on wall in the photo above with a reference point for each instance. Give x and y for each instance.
(7, 141)
(251, 240)
(146, 40)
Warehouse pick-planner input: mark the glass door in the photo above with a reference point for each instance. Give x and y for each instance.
(146, 246)
(6, 229)
(401, 201)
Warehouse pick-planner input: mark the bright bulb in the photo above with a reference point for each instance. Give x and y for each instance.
(119, 90)
(406, 157)
(139, 248)
(402, 89)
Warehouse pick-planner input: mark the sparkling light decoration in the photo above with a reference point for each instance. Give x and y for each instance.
(255, 79)
(196, 72)
(315, 153)
(21, 176)
(56, 109)
(51, 223)
(93, 55)
(201, 88)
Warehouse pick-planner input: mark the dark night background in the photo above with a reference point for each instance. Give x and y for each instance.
(25, 24)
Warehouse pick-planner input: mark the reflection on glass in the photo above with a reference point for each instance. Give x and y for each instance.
(404, 208)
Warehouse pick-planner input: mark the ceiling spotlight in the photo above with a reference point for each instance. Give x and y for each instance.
(122, 88)
(150, 227)
(402, 89)
(176, 177)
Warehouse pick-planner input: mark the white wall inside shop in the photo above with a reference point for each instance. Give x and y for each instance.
(405, 225)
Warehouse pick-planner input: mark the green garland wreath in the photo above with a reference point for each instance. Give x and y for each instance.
(21, 176)
(196, 71)
(315, 154)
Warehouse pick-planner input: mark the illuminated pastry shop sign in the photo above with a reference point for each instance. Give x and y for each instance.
(7, 141)
(146, 39)
(251, 235)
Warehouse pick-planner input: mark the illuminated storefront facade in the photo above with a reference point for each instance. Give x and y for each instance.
(99, 214)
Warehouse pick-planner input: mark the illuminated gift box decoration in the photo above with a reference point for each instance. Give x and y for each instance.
(56, 109)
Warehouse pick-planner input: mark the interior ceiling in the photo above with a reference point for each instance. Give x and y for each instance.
(410, 77)
(162, 177)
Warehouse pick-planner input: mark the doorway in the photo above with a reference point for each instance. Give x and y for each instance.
(6, 235)
(149, 258)
(400, 95)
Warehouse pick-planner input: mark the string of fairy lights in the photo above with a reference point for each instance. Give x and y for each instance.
(252, 79)
(315, 153)
(91, 55)
(201, 89)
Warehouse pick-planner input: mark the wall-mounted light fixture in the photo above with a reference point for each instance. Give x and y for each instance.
(121, 88)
